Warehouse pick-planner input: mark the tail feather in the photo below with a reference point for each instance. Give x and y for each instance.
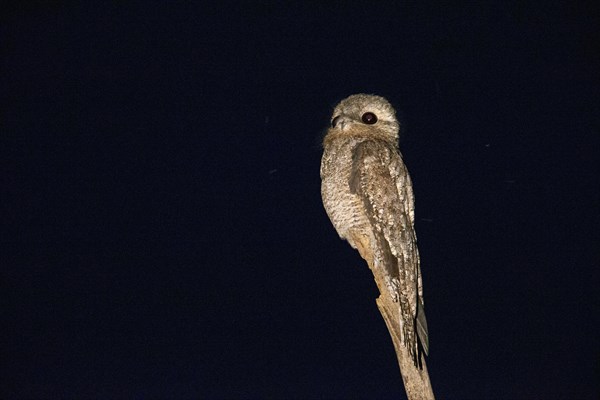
(422, 327)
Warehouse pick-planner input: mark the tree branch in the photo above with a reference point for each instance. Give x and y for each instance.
(416, 380)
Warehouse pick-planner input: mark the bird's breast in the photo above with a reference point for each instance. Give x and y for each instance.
(345, 209)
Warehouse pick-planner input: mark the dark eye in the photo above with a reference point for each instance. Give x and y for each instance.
(334, 121)
(369, 118)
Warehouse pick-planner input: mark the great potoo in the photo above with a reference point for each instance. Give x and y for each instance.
(368, 196)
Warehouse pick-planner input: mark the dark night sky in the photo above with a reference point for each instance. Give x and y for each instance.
(163, 234)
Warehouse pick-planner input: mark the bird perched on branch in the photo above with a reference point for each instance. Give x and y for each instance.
(368, 196)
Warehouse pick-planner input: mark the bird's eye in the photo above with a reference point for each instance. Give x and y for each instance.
(334, 121)
(369, 118)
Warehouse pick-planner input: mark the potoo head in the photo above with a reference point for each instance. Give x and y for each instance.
(365, 115)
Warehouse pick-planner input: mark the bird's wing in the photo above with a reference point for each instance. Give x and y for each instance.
(381, 180)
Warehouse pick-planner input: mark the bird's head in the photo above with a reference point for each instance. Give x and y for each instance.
(364, 115)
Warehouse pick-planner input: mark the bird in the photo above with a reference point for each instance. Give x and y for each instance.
(368, 195)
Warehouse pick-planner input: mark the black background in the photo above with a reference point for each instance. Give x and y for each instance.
(163, 234)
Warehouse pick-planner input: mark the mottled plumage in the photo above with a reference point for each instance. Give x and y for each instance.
(368, 196)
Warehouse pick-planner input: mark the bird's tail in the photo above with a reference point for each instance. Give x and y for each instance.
(421, 323)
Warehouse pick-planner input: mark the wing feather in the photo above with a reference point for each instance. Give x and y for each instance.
(381, 180)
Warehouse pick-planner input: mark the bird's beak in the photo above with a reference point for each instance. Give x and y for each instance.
(341, 122)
